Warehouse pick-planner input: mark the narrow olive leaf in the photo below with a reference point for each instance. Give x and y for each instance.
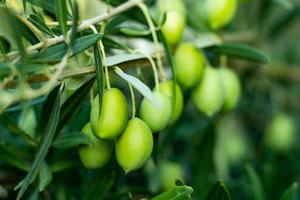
(99, 74)
(238, 50)
(45, 176)
(62, 15)
(4, 48)
(255, 183)
(72, 103)
(134, 32)
(287, 4)
(291, 192)
(218, 191)
(124, 58)
(48, 5)
(139, 86)
(39, 23)
(9, 29)
(176, 193)
(99, 189)
(71, 140)
(20, 106)
(44, 146)
(75, 17)
(62, 165)
(56, 53)
(111, 43)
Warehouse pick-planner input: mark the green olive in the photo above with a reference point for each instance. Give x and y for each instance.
(98, 154)
(189, 64)
(135, 145)
(169, 172)
(281, 132)
(114, 115)
(208, 95)
(157, 117)
(220, 12)
(167, 89)
(231, 86)
(173, 27)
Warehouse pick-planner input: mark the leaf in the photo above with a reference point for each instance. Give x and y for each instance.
(123, 58)
(48, 5)
(56, 53)
(70, 140)
(73, 102)
(255, 183)
(218, 191)
(62, 15)
(75, 18)
(62, 165)
(39, 23)
(291, 192)
(99, 74)
(44, 146)
(111, 43)
(134, 32)
(139, 86)
(45, 176)
(240, 51)
(176, 193)
(98, 190)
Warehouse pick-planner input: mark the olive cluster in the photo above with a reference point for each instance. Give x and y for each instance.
(213, 89)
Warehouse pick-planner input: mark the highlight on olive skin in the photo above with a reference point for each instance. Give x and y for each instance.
(135, 145)
(96, 155)
(112, 120)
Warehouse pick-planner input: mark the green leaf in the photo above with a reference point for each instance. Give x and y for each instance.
(218, 191)
(39, 23)
(240, 51)
(99, 74)
(62, 165)
(48, 5)
(124, 58)
(62, 15)
(56, 53)
(291, 192)
(176, 193)
(134, 32)
(111, 43)
(70, 140)
(44, 146)
(45, 176)
(139, 86)
(75, 18)
(255, 183)
(73, 102)
(98, 190)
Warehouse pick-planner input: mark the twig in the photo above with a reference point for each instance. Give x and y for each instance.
(84, 25)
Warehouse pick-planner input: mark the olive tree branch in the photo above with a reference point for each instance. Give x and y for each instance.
(84, 25)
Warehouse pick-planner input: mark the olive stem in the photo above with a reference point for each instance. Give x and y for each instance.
(84, 25)
(146, 13)
(152, 63)
(132, 101)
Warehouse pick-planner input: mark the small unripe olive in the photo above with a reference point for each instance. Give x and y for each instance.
(189, 64)
(135, 145)
(169, 172)
(208, 95)
(281, 132)
(114, 114)
(156, 116)
(167, 89)
(98, 154)
(231, 86)
(219, 12)
(173, 27)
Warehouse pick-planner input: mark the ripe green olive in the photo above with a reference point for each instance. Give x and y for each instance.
(173, 27)
(171, 5)
(135, 145)
(157, 117)
(219, 12)
(231, 86)
(189, 64)
(169, 172)
(208, 95)
(98, 154)
(281, 132)
(167, 89)
(114, 115)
